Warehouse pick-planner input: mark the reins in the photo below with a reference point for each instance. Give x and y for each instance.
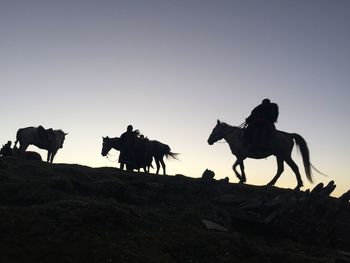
(108, 155)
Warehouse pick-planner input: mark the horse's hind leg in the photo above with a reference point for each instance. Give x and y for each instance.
(22, 147)
(157, 165)
(241, 165)
(163, 165)
(280, 169)
(295, 169)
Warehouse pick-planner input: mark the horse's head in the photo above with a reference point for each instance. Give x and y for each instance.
(60, 136)
(108, 144)
(219, 132)
(106, 147)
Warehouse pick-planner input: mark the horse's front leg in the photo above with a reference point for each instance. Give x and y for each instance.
(234, 169)
(241, 165)
(52, 156)
(242, 177)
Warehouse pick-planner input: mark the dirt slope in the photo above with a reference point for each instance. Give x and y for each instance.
(71, 213)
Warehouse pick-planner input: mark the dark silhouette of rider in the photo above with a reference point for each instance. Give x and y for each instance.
(127, 140)
(260, 125)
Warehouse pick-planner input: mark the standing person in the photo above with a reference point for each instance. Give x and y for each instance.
(260, 125)
(127, 140)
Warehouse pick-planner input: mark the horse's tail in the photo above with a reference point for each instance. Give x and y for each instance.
(304, 150)
(162, 149)
(172, 155)
(168, 153)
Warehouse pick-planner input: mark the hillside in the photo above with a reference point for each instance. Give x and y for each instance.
(71, 213)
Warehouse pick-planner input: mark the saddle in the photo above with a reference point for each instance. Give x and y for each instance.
(256, 135)
(47, 134)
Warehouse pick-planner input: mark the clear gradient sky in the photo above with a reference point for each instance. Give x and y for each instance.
(172, 68)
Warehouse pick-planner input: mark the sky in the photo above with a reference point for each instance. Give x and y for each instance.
(171, 69)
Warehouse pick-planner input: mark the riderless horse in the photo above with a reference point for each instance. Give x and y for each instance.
(280, 144)
(50, 140)
(142, 153)
(139, 156)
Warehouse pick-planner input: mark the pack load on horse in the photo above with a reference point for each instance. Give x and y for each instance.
(7, 151)
(260, 125)
(137, 151)
(280, 144)
(47, 139)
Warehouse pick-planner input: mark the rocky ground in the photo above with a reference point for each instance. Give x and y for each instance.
(71, 213)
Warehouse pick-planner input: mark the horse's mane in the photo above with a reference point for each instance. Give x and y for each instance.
(112, 138)
(230, 126)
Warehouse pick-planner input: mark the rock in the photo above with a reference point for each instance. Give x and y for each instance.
(345, 197)
(252, 203)
(213, 226)
(225, 180)
(318, 188)
(230, 199)
(329, 188)
(208, 176)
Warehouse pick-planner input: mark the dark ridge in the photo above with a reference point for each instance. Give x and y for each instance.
(73, 213)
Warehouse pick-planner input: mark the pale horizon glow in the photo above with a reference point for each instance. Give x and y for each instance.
(171, 69)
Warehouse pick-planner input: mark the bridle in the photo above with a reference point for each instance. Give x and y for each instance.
(110, 155)
(228, 131)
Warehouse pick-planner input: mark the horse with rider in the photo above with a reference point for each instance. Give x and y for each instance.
(258, 138)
